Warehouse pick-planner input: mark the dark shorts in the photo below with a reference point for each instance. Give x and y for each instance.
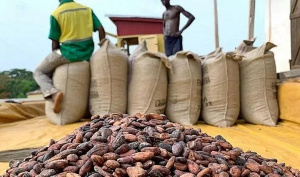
(173, 45)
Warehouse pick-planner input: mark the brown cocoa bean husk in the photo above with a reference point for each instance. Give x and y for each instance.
(148, 164)
(273, 175)
(210, 148)
(38, 168)
(188, 175)
(215, 167)
(180, 166)
(139, 164)
(66, 152)
(73, 146)
(164, 153)
(254, 167)
(27, 166)
(225, 145)
(159, 129)
(223, 174)
(47, 172)
(154, 116)
(56, 164)
(235, 171)
(245, 172)
(88, 165)
(99, 149)
(142, 156)
(112, 164)
(179, 172)
(72, 157)
(62, 174)
(128, 153)
(155, 150)
(97, 125)
(97, 160)
(177, 149)
(266, 169)
(71, 169)
(79, 163)
(126, 160)
(204, 172)
(192, 156)
(83, 146)
(130, 137)
(193, 167)
(78, 138)
(120, 172)
(55, 146)
(64, 147)
(122, 149)
(170, 162)
(110, 156)
(33, 172)
(253, 174)
(72, 175)
(136, 172)
(203, 162)
(130, 130)
(163, 170)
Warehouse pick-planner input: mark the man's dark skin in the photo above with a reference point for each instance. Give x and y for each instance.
(101, 31)
(171, 19)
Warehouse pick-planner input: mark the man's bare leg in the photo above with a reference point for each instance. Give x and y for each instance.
(57, 99)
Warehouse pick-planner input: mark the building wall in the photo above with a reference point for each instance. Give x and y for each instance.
(278, 31)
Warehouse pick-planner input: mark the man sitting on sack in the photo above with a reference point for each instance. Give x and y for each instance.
(171, 20)
(71, 32)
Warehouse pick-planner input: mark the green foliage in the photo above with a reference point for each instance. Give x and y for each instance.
(16, 83)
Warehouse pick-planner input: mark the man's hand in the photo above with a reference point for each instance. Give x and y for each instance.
(55, 45)
(101, 32)
(177, 34)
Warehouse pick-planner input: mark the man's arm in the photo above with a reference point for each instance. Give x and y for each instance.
(55, 45)
(187, 15)
(101, 32)
(163, 18)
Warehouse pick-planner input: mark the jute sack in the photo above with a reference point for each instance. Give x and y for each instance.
(259, 103)
(141, 48)
(108, 91)
(184, 88)
(73, 79)
(220, 88)
(148, 85)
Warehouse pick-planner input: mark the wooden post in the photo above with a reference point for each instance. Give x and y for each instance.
(216, 25)
(251, 19)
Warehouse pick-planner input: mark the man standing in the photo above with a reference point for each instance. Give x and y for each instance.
(171, 20)
(71, 30)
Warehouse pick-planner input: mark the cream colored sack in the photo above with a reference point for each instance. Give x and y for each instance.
(220, 89)
(108, 91)
(148, 85)
(184, 88)
(259, 103)
(132, 58)
(73, 80)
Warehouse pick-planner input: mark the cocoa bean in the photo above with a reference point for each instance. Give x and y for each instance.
(136, 172)
(86, 167)
(112, 164)
(204, 172)
(56, 164)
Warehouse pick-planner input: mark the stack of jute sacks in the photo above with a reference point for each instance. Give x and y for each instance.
(240, 84)
(184, 87)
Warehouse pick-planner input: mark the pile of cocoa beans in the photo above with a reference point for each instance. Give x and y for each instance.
(118, 145)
